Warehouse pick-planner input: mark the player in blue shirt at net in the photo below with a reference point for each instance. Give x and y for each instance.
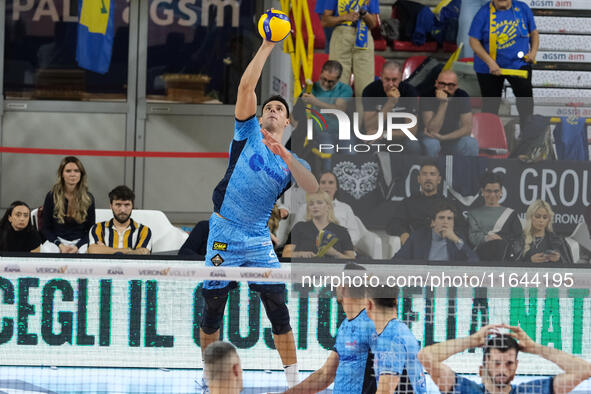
(394, 346)
(260, 169)
(350, 364)
(499, 364)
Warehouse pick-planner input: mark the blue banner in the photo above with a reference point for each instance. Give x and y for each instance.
(95, 35)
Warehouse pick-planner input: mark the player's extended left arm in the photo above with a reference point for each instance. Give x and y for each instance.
(305, 179)
(575, 369)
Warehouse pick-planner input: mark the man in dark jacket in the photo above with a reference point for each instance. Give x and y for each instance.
(438, 243)
(417, 210)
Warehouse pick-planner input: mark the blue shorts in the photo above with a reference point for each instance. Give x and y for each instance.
(234, 245)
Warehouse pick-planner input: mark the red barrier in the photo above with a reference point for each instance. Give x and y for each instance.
(113, 153)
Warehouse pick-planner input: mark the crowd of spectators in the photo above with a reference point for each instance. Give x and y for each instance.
(67, 220)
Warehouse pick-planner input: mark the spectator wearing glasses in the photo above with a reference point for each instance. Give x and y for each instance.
(447, 118)
(492, 225)
(391, 94)
(329, 93)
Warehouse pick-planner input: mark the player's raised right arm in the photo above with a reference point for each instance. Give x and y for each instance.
(246, 101)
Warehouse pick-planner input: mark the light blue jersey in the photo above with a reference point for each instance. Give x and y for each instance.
(395, 353)
(355, 370)
(254, 180)
(537, 386)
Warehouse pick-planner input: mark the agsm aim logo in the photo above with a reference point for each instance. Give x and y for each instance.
(376, 142)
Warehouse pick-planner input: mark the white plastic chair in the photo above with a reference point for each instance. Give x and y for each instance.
(34, 220)
(165, 236)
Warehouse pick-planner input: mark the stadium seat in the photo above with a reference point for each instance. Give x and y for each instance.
(408, 46)
(490, 134)
(370, 243)
(34, 219)
(449, 47)
(165, 236)
(378, 64)
(319, 60)
(379, 42)
(410, 65)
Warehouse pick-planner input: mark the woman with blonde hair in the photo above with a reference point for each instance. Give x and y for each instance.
(320, 235)
(539, 243)
(68, 211)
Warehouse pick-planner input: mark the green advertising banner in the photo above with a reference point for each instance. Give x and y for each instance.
(72, 317)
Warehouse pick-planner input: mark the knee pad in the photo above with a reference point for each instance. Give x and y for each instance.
(213, 310)
(277, 312)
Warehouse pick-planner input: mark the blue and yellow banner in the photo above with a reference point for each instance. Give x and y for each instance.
(95, 35)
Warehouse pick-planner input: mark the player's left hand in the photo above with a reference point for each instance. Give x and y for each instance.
(526, 344)
(276, 146)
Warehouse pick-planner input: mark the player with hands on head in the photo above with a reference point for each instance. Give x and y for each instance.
(500, 363)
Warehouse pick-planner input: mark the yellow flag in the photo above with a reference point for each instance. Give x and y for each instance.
(453, 58)
(95, 15)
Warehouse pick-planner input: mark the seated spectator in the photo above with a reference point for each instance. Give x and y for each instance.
(196, 244)
(329, 93)
(343, 212)
(492, 225)
(68, 210)
(320, 235)
(121, 234)
(390, 94)
(538, 242)
(417, 210)
(438, 243)
(17, 234)
(273, 224)
(447, 116)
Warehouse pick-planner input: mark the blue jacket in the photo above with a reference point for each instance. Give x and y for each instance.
(418, 246)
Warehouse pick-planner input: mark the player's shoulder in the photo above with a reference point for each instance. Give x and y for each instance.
(248, 123)
(544, 385)
(467, 386)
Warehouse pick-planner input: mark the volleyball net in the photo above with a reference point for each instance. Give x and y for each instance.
(110, 315)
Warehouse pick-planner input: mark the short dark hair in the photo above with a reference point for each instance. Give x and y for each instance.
(332, 66)
(280, 99)
(377, 295)
(216, 359)
(501, 342)
(122, 193)
(490, 177)
(354, 291)
(430, 163)
(443, 206)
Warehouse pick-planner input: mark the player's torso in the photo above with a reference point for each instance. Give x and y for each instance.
(353, 347)
(398, 339)
(257, 179)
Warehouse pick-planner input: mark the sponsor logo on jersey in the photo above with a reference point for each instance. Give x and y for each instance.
(220, 246)
(217, 260)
